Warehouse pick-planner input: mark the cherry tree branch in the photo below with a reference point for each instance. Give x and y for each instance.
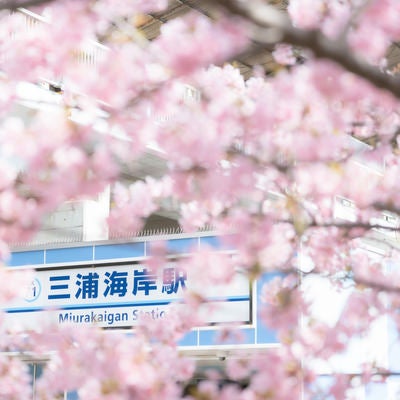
(353, 225)
(387, 286)
(378, 286)
(272, 26)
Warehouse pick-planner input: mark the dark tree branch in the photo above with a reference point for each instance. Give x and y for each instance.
(387, 286)
(378, 286)
(273, 26)
(353, 225)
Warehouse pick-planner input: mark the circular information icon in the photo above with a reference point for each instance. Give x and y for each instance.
(33, 292)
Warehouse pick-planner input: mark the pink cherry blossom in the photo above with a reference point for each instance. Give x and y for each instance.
(175, 125)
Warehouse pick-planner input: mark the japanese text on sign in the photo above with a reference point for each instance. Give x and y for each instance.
(115, 283)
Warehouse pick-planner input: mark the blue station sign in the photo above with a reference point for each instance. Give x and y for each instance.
(118, 295)
(109, 285)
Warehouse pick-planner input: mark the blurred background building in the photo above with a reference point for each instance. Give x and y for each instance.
(74, 234)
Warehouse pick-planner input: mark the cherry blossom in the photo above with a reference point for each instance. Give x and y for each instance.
(295, 168)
